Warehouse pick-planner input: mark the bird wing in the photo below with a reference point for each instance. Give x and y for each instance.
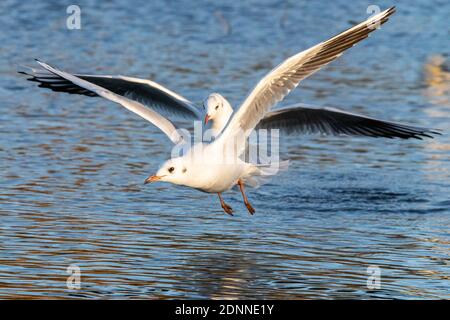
(280, 81)
(146, 92)
(302, 119)
(134, 106)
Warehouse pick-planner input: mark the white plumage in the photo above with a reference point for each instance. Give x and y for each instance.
(217, 166)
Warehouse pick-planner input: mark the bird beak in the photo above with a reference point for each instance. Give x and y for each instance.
(207, 118)
(152, 179)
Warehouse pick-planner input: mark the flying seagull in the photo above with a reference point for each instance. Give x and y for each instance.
(202, 167)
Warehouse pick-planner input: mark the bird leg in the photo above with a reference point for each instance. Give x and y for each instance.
(250, 209)
(225, 207)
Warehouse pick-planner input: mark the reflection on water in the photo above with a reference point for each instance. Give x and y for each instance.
(437, 80)
(437, 91)
(72, 168)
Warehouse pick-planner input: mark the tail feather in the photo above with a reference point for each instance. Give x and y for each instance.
(260, 174)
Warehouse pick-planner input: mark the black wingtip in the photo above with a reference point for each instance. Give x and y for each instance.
(430, 133)
(437, 132)
(22, 70)
(390, 11)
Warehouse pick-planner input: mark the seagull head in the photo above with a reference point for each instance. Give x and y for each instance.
(173, 170)
(217, 109)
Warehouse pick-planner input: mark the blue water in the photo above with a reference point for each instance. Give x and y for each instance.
(72, 167)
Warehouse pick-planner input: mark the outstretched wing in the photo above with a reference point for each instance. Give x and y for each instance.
(281, 80)
(146, 92)
(148, 114)
(301, 119)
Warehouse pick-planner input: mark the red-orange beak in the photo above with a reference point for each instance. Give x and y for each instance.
(152, 179)
(207, 118)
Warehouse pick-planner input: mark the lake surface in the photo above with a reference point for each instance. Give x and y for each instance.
(72, 167)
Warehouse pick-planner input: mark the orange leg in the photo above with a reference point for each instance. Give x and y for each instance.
(225, 207)
(250, 209)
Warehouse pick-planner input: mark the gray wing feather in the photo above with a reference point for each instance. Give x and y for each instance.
(147, 92)
(285, 77)
(332, 121)
(134, 106)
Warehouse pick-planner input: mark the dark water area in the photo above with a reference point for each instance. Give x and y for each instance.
(72, 167)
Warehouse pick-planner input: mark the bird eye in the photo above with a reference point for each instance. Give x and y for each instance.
(184, 170)
(217, 107)
(171, 169)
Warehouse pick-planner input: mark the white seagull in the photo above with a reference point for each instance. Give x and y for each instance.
(203, 166)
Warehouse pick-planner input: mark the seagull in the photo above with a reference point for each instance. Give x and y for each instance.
(203, 166)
